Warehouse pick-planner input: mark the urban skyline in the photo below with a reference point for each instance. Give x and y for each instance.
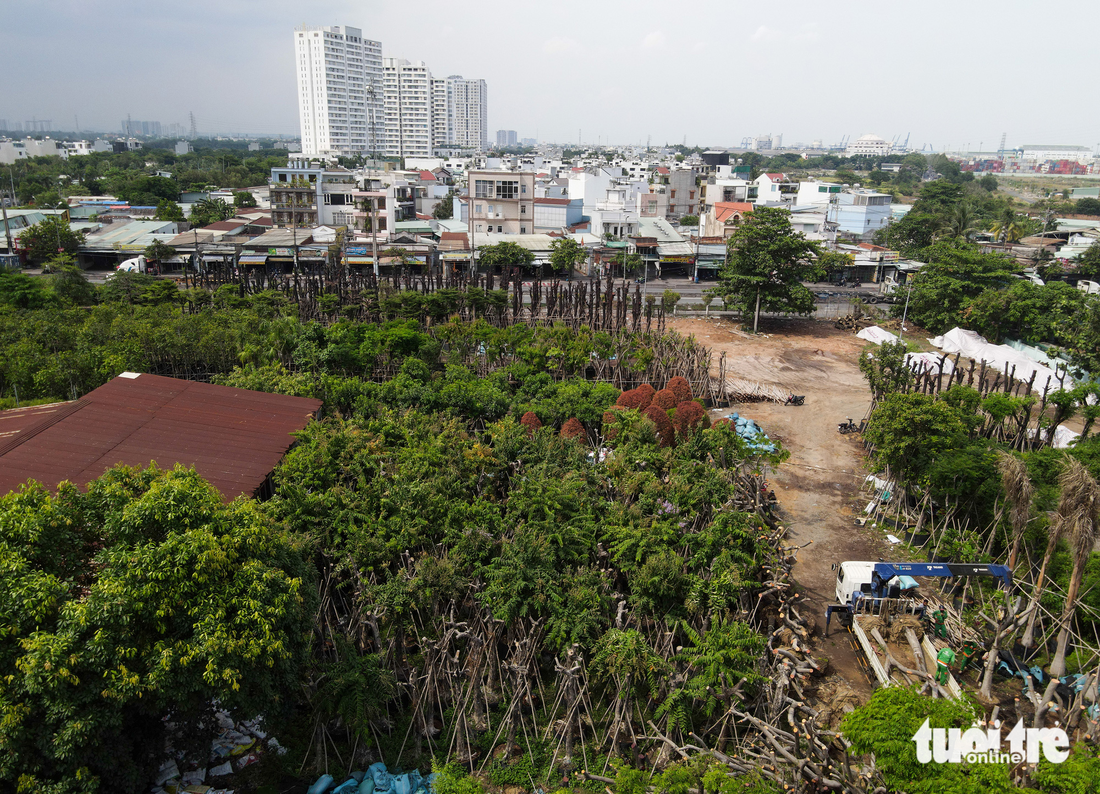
(584, 76)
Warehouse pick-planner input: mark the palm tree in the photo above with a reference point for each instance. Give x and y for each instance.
(1007, 228)
(1078, 511)
(960, 223)
(1055, 531)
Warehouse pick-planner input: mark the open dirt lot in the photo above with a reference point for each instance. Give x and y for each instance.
(818, 486)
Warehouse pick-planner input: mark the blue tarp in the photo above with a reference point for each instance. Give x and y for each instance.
(755, 438)
(376, 780)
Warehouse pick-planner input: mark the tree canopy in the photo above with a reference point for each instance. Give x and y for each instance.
(49, 237)
(766, 263)
(145, 596)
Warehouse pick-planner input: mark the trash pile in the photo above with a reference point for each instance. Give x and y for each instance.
(755, 438)
(237, 746)
(376, 780)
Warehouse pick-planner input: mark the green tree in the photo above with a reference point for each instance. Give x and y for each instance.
(49, 237)
(766, 263)
(1007, 228)
(912, 431)
(1088, 263)
(565, 254)
(23, 292)
(71, 285)
(954, 276)
(444, 210)
(142, 600)
(159, 252)
(243, 198)
(988, 182)
(209, 211)
(1088, 206)
(168, 210)
(689, 220)
(505, 255)
(886, 369)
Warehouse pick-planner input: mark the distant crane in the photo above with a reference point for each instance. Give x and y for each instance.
(746, 142)
(905, 146)
(1001, 148)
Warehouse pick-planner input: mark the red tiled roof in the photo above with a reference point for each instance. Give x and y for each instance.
(233, 437)
(870, 247)
(225, 226)
(427, 176)
(777, 177)
(541, 174)
(556, 201)
(662, 169)
(420, 217)
(723, 210)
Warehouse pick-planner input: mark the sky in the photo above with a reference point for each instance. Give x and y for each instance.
(952, 75)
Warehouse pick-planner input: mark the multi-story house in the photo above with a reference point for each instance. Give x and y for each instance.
(502, 201)
(305, 194)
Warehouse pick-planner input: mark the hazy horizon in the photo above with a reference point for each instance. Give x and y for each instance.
(951, 77)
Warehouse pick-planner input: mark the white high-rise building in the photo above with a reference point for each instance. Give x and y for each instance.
(470, 112)
(339, 90)
(443, 120)
(407, 87)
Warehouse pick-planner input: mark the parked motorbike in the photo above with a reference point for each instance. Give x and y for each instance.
(848, 426)
(796, 399)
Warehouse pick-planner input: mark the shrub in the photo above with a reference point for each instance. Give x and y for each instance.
(647, 393)
(666, 399)
(574, 429)
(665, 433)
(531, 422)
(636, 399)
(681, 388)
(689, 416)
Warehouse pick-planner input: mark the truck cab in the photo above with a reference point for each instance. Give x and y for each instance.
(851, 578)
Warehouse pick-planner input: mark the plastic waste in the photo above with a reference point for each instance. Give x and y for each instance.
(323, 784)
(349, 786)
(367, 786)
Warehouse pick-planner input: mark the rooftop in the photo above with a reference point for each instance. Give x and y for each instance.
(232, 437)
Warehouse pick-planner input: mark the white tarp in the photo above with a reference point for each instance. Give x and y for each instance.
(929, 362)
(1063, 436)
(975, 346)
(877, 335)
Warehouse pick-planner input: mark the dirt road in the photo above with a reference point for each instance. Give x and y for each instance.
(818, 487)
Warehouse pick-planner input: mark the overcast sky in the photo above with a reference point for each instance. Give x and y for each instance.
(946, 73)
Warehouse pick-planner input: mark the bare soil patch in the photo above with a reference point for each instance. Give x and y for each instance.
(818, 487)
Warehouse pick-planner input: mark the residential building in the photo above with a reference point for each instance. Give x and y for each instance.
(723, 217)
(811, 192)
(868, 145)
(307, 193)
(184, 147)
(556, 214)
(470, 110)
(339, 90)
(775, 190)
(507, 138)
(410, 97)
(653, 204)
(443, 120)
(683, 195)
(529, 142)
(616, 216)
(502, 201)
(860, 212)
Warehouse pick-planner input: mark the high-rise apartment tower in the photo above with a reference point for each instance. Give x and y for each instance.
(339, 91)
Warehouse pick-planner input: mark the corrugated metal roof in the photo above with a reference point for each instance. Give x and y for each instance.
(233, 437)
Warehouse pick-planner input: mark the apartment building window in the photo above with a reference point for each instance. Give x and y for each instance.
(490, 210)
(500, 229)
(672, 194)
(508, 189)
(522, 209)
(479, 227)
(477, 208)
(523, 230)
(483, 188)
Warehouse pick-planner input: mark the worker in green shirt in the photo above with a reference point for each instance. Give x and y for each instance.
(944, 658)
(939, 618)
